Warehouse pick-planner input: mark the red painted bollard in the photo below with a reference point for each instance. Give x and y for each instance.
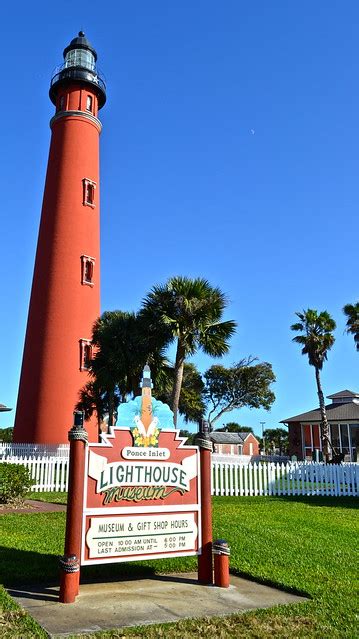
(205, 569)
(69, 580)
(221, 554)
(70, 562)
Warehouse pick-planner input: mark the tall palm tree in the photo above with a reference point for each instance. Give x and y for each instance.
(189, 311)
(317, 340)
(352, 313)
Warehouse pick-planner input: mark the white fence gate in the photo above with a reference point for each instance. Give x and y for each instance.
(296, 478)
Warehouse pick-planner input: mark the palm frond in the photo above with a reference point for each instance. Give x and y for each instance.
(317, 335)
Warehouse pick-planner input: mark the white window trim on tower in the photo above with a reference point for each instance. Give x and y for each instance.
(84, 344)
(86, 182)
(89, 103)
(84, 260)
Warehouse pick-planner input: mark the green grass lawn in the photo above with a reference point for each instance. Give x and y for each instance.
(304, 544)
(54, 498)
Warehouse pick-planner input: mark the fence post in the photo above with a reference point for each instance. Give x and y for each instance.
(70, 562)
(205, 570)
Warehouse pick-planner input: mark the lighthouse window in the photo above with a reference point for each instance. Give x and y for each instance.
(87, 268)
(80, 58)
(89, 192)
(89, 103)
(88, 271)
(85, 354)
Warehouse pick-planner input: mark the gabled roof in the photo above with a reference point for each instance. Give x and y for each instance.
(348, 411)
(343, 393)
(229, 438)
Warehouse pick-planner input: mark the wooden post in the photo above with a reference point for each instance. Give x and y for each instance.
(70, 562)
(205, 570)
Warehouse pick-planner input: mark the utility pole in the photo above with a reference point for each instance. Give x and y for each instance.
(263, 441)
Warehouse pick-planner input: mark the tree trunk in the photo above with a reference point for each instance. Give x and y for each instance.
(178, 377)
(324, 426)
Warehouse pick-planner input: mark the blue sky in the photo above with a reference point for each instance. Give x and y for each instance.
(230, 137)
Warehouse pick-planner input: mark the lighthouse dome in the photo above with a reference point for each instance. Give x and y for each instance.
(79, 66)
(80, 43)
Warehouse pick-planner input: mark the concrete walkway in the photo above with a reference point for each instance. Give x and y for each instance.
(144, 601)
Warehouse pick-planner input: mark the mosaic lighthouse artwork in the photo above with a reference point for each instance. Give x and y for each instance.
(141, 492)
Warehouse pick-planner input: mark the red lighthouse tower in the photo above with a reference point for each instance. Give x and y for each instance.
(65, 296)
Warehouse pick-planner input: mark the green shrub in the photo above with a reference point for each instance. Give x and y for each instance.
(15, 481)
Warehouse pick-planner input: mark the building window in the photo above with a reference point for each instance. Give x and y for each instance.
(354, 441)
(87, 270)
(89, 103)
(88, 192)
(85, 354)
(344, 438)
(311, 440)
(334, 436)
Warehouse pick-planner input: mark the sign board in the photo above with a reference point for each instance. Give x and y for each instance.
(141, 492)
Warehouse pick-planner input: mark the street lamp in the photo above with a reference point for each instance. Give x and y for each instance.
(263, 441)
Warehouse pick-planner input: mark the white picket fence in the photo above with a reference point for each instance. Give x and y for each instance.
(49, 473)
(248, 459)
(33, 450)
(293, 478)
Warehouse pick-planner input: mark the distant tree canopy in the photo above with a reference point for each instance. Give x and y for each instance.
(233, 427)
(276, 438)
(190, 436)
(6, 435)
(244, 384)
(191, 402)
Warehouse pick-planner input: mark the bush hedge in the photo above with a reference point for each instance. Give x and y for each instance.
(15, 482)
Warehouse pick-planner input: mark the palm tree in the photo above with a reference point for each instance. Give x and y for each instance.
(189, 312)
(352, 313)
(317, 340)
(122, 347)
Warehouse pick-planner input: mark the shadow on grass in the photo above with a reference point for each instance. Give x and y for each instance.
(331, 502)
(20, 567)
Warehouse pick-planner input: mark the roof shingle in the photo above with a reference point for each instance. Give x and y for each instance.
(335, 412)
(228, 438)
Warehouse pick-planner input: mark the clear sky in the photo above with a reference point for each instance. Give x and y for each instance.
(229, 151)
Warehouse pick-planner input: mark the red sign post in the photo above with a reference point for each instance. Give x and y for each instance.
(140, 494)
